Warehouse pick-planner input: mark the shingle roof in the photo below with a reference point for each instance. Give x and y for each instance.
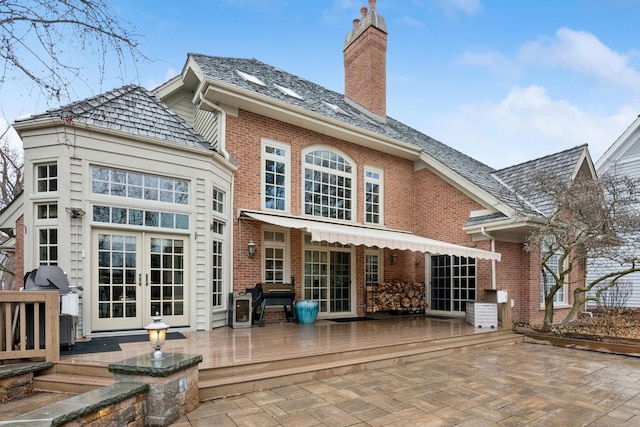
(131, 109)
(316, 98)
(562, 165)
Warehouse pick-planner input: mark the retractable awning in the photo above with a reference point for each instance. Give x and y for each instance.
(368, 236)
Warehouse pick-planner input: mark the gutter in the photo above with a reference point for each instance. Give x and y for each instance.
(493, 261)
(223, 122)
(305, 118)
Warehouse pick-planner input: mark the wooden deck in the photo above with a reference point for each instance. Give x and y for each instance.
(242, 360)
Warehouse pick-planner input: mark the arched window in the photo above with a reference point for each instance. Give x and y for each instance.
(328, 185)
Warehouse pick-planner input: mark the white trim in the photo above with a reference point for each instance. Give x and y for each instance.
(380, 182)
(287, 161)
(353, 175)
(285, 246)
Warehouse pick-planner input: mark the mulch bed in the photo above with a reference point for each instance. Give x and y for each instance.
(609, 330)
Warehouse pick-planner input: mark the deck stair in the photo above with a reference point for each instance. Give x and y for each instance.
(250, 376)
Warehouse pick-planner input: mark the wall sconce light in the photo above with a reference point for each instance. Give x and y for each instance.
(251, 249)
(394, 258)
(75, 212)
(157, 335)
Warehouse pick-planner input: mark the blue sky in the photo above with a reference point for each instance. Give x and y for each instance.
(503, 81)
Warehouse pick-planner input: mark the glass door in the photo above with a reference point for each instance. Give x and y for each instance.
(137, 275)
(453, 283)
(118, 281)
(166, 281)
(327, 279)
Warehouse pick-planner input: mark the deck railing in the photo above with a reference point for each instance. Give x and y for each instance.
(30, 325)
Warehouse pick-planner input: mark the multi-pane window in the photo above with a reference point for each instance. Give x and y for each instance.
(453, 282)
(328, 184)
(48, 246)
(218, 201)
(275, 162)
(274, 243)
(139, 217)
(47, 211)
(547, 281)
(47, 233)
(373, 196)
(47, 178)
(372, 273)
(216, 274)
(115, 182)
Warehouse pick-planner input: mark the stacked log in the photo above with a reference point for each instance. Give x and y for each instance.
(398, 296)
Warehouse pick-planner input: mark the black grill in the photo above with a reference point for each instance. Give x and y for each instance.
(269, 294)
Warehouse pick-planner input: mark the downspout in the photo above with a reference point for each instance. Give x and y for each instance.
(223, 123)
(493, 261)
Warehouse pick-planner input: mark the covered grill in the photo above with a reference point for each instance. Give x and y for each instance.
(52, 278)
(47, 278)
(269, 294)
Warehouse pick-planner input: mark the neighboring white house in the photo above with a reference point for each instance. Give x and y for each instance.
(622, 158)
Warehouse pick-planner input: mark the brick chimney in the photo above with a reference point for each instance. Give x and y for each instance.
(365, 63)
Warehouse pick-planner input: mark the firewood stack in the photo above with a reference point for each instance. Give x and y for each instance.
(397, 296)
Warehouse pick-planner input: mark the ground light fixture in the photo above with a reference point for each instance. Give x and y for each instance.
(157, 335)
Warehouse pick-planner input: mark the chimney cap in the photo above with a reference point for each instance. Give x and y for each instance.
(372, 5)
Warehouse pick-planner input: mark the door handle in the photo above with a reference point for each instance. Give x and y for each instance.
(147, 279)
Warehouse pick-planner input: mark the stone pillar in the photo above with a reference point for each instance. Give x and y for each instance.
(173, 384)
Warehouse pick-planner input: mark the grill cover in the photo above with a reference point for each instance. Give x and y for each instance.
(46, 278)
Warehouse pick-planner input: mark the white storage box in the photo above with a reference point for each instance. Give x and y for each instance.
(482, 314)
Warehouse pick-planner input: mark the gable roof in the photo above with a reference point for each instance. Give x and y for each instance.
(564, 164)
(625, 146)
(131, 109)
(263, 79)
(320, 100)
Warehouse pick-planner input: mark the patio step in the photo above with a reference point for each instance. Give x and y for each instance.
(232, 380)
(73, 378)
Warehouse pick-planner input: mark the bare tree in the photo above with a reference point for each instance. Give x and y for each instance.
(11, 169)
(56, 45)
(576, 220)
(46, 40)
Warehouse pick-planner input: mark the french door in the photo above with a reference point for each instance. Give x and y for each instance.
(137, 275)
(327, 279)
(453, 283)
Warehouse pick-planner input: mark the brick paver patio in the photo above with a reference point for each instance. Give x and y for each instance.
(525, 384)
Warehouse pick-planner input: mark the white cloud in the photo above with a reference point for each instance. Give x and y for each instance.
(583, 52)
(491, 60)
(528, 124)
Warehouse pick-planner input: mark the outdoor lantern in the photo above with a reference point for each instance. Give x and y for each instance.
(157, 335)
(251, 248)
(394, 258)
